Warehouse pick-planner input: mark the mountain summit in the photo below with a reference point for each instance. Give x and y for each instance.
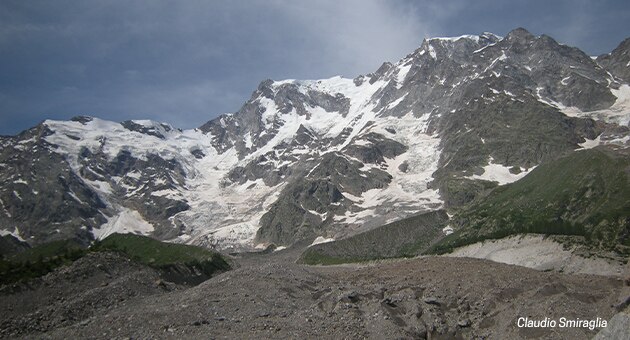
(325, 158)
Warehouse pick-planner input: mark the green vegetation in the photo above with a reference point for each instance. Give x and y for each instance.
(158, 254)
(42, 259)
(586, 193)
(458, 191)
(404, 238)
(48, 250)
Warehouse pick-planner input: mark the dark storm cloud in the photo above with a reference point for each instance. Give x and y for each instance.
(184, 62)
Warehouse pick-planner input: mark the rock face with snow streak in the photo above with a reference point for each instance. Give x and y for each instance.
(618, 61)
(322, 158)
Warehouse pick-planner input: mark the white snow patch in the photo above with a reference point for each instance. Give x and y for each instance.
(248, 140)
(74, 196)
(402, 74)
(432, 52)
(168, 193)
(15, 233)
(448, 230)
(314, 212)
(508, 93)
(569, 111)
(134, 174)
(590, 143)
(499, 173)
(5, 209)
(483, 48)
(352, 197)
(126, 222)
(320, 240)
(454, 39)
(361, 142)
(618, 113)
(396, 102)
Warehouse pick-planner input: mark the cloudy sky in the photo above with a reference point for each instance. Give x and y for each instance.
(185, 62)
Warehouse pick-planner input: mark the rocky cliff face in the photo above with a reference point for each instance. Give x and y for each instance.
(618, 61)
(328, 157)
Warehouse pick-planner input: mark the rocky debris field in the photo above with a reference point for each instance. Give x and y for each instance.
(269, 296)
(71, 295)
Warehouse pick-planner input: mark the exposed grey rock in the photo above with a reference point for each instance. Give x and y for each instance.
(43, 195)
(404, 238)
(81, 119)
(377, 149)
(617, 328)
(156, 130)
(617, 61)
(430, 300)
(10, 245)
(464, 323)
(153, 174)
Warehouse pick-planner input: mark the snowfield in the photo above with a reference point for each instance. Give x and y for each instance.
(230, 214)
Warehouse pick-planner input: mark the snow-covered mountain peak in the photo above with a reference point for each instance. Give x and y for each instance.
(324, 158)
(333, 85)
(483, 38)
(474, 38)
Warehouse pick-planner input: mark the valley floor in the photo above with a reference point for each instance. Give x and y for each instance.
(271, 297)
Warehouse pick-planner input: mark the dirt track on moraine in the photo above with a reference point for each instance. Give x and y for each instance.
(271, 297)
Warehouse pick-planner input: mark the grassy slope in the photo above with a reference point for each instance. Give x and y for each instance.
(39, 260)
(407, 237)
(42, 259)
(46, 251)
(586, 193)
(153, 252)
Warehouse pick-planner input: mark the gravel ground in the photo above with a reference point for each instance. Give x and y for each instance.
(271, 297)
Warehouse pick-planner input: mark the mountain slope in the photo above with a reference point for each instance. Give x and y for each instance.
(584, 194)
(330, 158)
(404, 238)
